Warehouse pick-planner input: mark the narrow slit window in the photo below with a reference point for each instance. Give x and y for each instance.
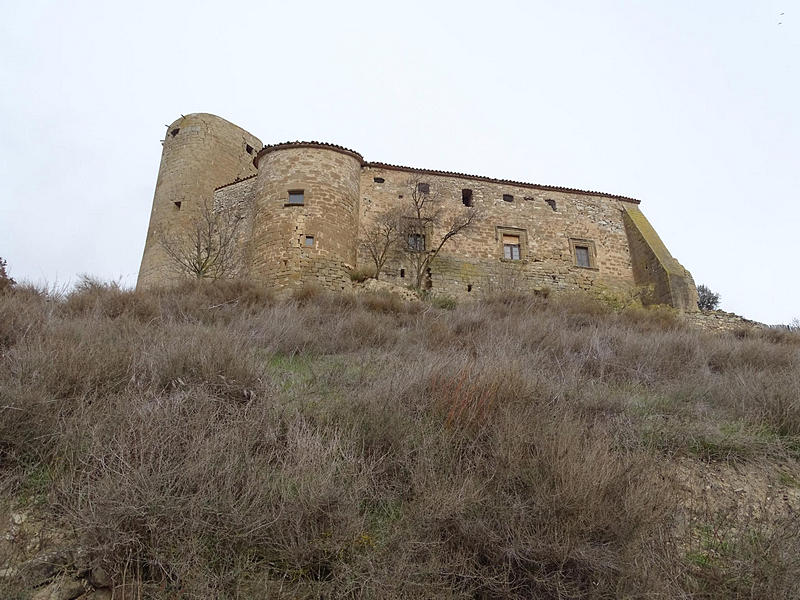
(309, 241)
(582, 256)
(466, 197)
(249, 148)
(296, 197)
(511, 247)
(378, 179)
(402, 273)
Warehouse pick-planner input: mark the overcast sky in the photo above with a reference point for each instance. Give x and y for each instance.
(690, 106)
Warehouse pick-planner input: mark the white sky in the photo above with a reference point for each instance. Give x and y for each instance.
(690, 106)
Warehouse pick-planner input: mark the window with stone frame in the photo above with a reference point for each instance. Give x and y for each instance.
(296, 197)
(512, 243)
(583, 253)
(511, 247)
(416, 242)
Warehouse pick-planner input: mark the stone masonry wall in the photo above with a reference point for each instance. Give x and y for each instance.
(474, 261)
(329, 180)
(200, 152)
(286, 245)
(238, 197)
(653, 265)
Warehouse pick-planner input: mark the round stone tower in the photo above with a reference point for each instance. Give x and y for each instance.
(201, 152)
(305, 227)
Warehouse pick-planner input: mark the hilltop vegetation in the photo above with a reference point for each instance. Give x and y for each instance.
(212, 441)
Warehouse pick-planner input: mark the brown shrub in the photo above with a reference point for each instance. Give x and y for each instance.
(218, 443)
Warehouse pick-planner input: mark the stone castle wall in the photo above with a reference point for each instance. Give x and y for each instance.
(548, 223)
(295, 244)
(287, 244)
(200, 152)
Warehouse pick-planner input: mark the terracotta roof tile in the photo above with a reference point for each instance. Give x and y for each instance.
(235, 181)
(380, 165)
(312, 144)
(538, 186)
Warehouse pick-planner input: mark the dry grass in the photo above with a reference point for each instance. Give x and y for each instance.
(212, 441)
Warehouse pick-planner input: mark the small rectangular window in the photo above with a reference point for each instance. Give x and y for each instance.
(296, 197)
(582, 256)
(309, 241)
(416, 242)
(466, 197)
(249, 148)
(511, 247)
(508, 198)
(424, 188)
(378, 179)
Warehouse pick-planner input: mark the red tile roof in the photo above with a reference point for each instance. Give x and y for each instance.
(235, 181)
(379, 165)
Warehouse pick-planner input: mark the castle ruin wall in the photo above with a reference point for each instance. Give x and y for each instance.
(304, 206)
(312, 241)
(200, 152)
(548, 223)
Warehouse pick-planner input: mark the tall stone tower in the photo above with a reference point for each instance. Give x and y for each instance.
(201, 152)
(305, 215)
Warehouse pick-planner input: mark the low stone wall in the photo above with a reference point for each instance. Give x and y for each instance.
(718, 320)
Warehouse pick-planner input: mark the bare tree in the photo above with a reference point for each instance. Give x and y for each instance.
(206, 248)
(382, 238)
(427, 225)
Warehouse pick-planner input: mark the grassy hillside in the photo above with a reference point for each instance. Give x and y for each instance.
(213, 442)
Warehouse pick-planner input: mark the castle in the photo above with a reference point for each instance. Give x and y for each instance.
(304, 206)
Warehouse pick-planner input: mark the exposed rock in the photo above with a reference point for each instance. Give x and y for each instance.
(61, 590)
(44, 567)
(100, 578)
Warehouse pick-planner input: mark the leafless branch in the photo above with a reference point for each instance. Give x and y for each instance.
(425, 214)
(207, 247)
